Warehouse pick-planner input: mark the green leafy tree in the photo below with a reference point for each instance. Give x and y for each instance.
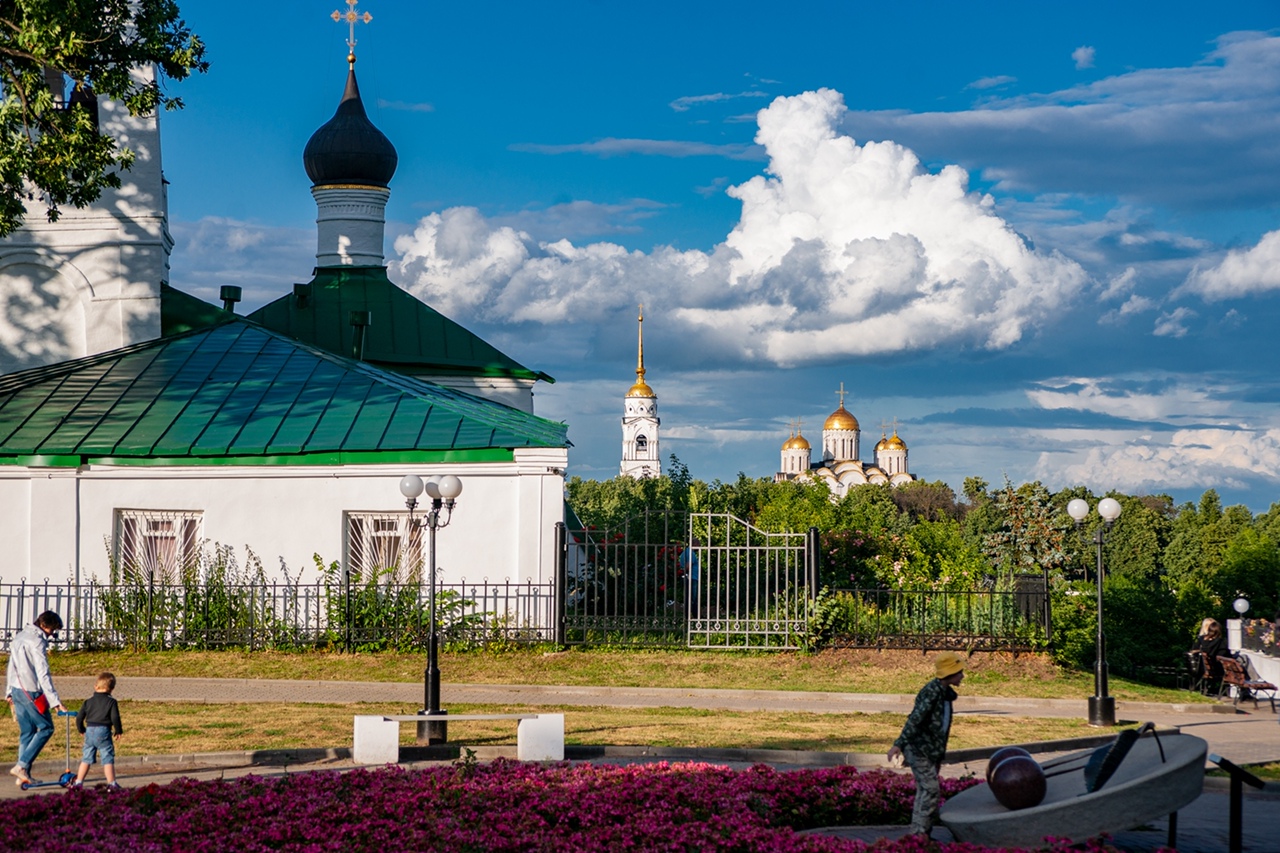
(870, 508)
(1029, 538)
(1268, 523)
(609, 503)
(1250, 570)
(743, 498)
(51, 143)
(1136, 542)
(981, 516)
(795, 506)
(929, 501)
(931, 555)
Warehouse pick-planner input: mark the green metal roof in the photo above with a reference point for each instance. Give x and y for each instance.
(180, 312)
(404, 333)
(237, 393)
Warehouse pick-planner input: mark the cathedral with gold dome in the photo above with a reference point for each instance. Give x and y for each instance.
(640, 421)
(841, 466)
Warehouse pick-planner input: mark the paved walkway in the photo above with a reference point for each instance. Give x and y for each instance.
(1241, 735)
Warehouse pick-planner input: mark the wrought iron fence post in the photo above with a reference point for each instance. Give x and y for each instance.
(346, 610)
(811, 551)
(151, 605)
(562, 583)
(1048, 617)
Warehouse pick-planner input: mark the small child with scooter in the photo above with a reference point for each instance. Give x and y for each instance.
(98, 720)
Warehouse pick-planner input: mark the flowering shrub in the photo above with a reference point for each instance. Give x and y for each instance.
(504, 806)
(1260, 635)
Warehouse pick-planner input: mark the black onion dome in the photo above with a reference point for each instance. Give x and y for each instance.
(348, 149)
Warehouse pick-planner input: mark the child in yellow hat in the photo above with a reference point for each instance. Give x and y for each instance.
(923, 741)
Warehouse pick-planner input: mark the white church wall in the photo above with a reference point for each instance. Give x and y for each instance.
(502, 526)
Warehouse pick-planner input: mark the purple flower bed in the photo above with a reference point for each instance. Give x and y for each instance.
(504, 806)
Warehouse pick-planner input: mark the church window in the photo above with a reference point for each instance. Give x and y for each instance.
(157, 545)
(382, 545)
(642, 443)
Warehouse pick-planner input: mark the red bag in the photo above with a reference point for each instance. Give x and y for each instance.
(41, 702)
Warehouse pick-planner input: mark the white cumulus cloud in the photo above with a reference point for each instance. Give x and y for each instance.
(1241, 272)
(1084, 57)
(841, 249)
(1188, 459)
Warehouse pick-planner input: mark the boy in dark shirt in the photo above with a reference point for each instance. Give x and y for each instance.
(99, 716)
(923, 742)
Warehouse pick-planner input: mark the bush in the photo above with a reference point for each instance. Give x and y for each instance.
(1139, 621)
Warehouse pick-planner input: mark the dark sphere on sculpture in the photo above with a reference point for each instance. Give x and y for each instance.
(1000, 755)
(1018, 782)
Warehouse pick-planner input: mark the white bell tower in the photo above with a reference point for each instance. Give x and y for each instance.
(90, 281)
(640, 422)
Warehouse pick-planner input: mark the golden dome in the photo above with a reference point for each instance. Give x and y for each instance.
(841, 419)
(895, 443)
(797, 442)
(641, 389)
(882, 444)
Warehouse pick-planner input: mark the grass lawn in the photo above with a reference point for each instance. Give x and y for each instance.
(844, 671)
(179, 727)
(166, 728)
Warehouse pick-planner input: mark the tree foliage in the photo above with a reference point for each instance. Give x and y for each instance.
(1167, 567)
(51, 145)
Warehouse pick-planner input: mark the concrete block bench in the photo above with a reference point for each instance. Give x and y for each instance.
(539, 737)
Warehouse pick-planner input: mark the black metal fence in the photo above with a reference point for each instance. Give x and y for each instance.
(351, 617)
(627, 585)
(712, 581)
(977, 620)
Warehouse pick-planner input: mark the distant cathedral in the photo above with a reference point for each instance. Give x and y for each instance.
(640, 421)
(841, 466)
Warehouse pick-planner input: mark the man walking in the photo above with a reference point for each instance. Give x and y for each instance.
(30, 692)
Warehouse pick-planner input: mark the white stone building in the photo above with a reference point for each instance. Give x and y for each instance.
(841, 466)
(143, 424)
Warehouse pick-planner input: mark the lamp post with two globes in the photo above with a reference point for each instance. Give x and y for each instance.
(1102, 708)
(443, 492)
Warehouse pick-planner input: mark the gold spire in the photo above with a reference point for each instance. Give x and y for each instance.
(351, 17)
(640, 345)
(641, 388)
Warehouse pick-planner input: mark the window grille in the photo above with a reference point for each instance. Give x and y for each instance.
(381, 544)
(157, 545)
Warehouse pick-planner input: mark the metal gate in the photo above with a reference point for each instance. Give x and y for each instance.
(626, 586)
(702, 580)
(748, 589)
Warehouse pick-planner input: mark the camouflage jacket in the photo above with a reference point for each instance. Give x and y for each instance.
(927, 728)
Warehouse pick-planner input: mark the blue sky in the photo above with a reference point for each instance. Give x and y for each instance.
(1043, 237)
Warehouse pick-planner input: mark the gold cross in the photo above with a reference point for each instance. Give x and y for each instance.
(351, 16)
(841, 394)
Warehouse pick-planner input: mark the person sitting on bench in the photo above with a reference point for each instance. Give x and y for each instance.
(1208, 646)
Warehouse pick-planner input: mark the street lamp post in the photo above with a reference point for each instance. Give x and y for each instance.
(443, 492)
(1102, 708)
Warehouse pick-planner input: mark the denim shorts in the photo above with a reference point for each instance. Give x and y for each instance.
(98, 745)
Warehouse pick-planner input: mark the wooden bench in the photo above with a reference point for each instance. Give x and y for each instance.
(1235, 674)
(376, 740)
